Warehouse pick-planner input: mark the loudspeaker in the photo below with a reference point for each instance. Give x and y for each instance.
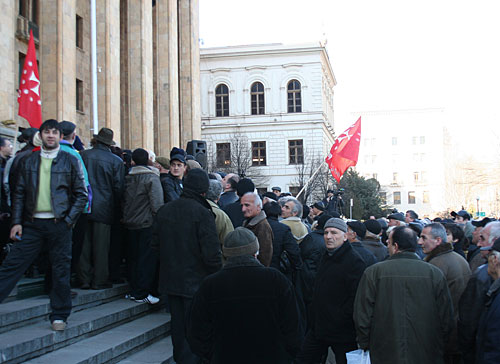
(198, 149)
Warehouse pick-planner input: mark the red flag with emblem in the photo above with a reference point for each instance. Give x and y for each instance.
(345, 150)
(30, 104)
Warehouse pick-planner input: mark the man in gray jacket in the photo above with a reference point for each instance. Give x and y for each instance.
(142, 199)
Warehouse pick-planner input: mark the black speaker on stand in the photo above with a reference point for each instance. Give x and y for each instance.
(198, 149)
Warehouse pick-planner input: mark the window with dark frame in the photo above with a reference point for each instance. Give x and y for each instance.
(22, 58)
(258, 153)
(222, 100)
(383, 197)
(223, 154)
(411, 197)
(257, 98)
(34, 11)
(294, 96)
(296, 151)
(79, 32)
(79, 95)
(397, 198)
(23, 8)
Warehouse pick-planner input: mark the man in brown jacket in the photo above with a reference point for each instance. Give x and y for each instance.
(455, 269)
(255, 220)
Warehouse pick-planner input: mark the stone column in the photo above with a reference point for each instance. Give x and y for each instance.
(140, 75)
(108, 63)
(8, 65)
(58, 59)
(189, 71)
(167, 128)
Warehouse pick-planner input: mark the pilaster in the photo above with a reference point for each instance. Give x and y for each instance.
(8, 60)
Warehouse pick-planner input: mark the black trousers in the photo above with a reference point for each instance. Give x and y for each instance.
(56, 236)
(315, 350)
(78, 236)
(142, 263)
(179, 310)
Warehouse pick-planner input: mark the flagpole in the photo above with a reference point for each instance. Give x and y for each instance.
(309, 180)
(93, 40)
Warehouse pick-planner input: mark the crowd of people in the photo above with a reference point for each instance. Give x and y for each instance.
(247, 278)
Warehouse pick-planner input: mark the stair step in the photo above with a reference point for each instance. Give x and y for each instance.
(114, 344)
(34, 340)
(161, 352)
(16, 314)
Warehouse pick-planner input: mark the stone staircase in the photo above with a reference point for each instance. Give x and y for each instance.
(104, 327)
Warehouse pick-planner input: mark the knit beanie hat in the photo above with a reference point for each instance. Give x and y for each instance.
(140, 157)
(336, 223)
(240, 242)
(196, 180)
(358, 227)
(373, 226)
(244, 185)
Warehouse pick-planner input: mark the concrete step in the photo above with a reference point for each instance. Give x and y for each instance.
(36, 339)
(16, 314)
(115, 344)
(161, 352)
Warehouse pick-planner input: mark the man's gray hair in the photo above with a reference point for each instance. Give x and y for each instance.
(256, 198)
(494, 227)
(214, 190)
(438, 231)
(297, 206)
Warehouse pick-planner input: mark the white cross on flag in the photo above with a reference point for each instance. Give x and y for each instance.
(345, 150)
(30, 104)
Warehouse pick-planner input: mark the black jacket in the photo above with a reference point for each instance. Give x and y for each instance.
(67, 188)
(312, 250)
(364, 253)
(106, 176)
(283, 241)
(227, 198)
(184, 230)
(488, 333)
(233, 210)
(172, 187)
(246, 313)
(334, 292)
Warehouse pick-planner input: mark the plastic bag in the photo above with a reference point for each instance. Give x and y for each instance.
(358, 357)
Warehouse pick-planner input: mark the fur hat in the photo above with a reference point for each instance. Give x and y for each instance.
(196, 180)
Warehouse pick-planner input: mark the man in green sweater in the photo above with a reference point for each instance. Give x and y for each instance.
(48, 198)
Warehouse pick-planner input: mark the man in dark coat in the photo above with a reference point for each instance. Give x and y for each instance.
(488, 333)
(246, 313)
(372, 242)
(106, 176)
(456, 271)
(403, 309)
(172, 184)
(356, 231)
(312, 250)
(229, 183)
(334, 291)
(283, 240)
(185, 232)
(233, 210)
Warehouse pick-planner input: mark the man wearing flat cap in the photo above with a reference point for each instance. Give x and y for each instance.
(335, 287)
(257, 303)
(106, 176)
(172, 184)
(186, 234)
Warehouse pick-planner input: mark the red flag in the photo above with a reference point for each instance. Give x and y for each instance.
(30, 105)
(345, 150)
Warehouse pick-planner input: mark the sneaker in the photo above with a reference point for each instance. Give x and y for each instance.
(58, 325)
(149, 299)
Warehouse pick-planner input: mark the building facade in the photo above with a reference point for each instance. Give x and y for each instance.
(270, 105)
(405, 151)
(147, 67)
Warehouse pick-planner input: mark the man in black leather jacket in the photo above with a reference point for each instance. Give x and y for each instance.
(49, 196)
(106, 176)
(172, 184)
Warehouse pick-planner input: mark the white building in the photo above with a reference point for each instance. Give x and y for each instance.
(405, 151)
(280, 97)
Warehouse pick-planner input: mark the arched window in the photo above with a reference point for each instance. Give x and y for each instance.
(257, 98)
(294, 97)
(222, 100)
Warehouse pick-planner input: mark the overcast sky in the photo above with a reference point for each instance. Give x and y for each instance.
(385, 54)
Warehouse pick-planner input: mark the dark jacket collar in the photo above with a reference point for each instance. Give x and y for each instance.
(101, 147)
(186, 193)
(256, 219)
(440, 249)
(492, 292)
(404, 255)
(242, 261)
